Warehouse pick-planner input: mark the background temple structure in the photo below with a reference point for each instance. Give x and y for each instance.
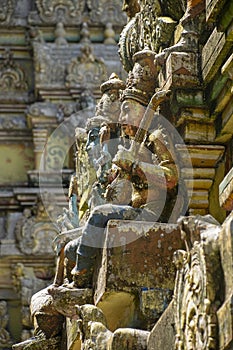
(170, 286)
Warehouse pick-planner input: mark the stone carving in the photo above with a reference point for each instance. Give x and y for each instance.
(44, 63)
(12, 79)
(94, 333)
(48, 110)
(152, 27)
(53, 11)
(6, 11)
(135, 119)
(5, 338)
(85, 34)
(105, 11)
(12, 123)
(86, 70)
(131, 7)
(34, 232)
(26, 282)
(196, 294)
(60, 34)
(148, 28)
(109, 35)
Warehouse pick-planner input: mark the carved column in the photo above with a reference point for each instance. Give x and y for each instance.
(39, 139)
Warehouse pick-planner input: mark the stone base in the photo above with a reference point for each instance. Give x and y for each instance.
(136, 275)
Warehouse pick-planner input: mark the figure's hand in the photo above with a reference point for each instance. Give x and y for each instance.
(104, 134)
(124, 159)
(159, 97)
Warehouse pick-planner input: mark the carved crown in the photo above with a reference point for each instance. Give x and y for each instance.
(141, 81)
(113, 83)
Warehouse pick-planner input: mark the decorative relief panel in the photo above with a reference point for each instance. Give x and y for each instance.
(106, 11)
(35, 233)
(12, 123)
(49, 68)
(67, 11)
(13, 85)
(6, 11)
(86, 70)
(196, 294)
(5, 338)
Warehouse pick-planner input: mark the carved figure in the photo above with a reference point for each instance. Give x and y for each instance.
(190, 34)
(152, 169)
(102, 128)
(85, 70)
(5, 339)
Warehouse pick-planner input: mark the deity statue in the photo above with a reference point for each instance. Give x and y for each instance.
(149, 165)
(101, 129)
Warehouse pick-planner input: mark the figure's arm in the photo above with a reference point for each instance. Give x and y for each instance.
(161, 171)
(165, 174)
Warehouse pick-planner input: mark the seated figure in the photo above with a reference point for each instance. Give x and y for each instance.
(149, 165)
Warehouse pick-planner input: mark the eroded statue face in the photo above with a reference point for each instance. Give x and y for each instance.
(131, 116)
(109, 105)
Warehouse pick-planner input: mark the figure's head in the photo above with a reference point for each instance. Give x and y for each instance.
(109, 104)
(131, 114)
(140, 87)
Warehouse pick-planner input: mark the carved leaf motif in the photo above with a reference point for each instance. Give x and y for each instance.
(67, 11)
(194, 298)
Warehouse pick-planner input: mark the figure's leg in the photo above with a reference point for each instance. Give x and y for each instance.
(93, 239)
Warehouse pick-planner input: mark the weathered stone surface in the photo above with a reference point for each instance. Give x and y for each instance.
(205, 156)
(141, 264)
(88, 330)
(36, 343)
(46, 318)
(226, 191)
(197, 295)
(225, 316)
(214, 52)
(213, 7)
(129, 339)
(196, 131)
(225, 323)
(162, 336)
(146, 249)
(181, 70)
(64, 299)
